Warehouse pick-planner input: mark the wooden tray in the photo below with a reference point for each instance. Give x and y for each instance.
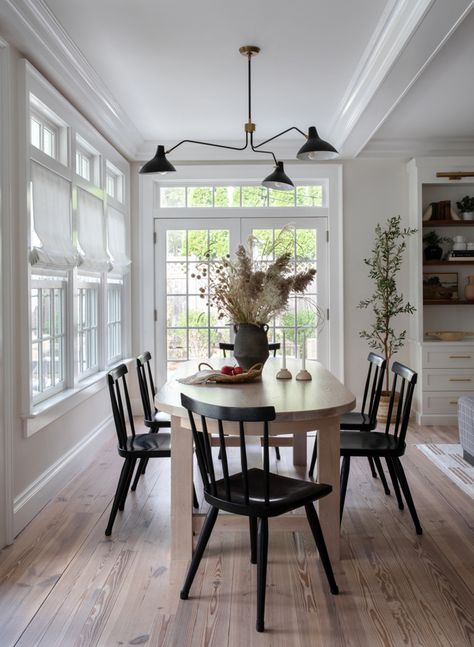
(252, 375)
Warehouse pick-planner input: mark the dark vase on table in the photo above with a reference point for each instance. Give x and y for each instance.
(250, 344)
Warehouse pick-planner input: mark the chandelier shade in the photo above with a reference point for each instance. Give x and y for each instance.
(315, 148)
(159, 163)
(278, 179)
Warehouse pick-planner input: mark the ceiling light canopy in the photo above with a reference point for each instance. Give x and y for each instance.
(315, 148)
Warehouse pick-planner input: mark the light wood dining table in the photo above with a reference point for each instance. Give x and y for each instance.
(300, 407)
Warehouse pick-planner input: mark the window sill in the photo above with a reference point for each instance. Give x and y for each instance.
(44, 413)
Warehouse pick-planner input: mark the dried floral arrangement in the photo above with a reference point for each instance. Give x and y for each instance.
(251, 290)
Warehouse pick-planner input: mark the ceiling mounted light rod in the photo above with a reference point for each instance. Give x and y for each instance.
(314, 149)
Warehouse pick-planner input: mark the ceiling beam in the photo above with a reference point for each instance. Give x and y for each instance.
(409, 35)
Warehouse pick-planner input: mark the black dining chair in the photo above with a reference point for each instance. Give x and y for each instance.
(227, 347)
(255, 493)
(272, 348)
(152, 417)
(388, 445)
(131, 446)
(366, 418)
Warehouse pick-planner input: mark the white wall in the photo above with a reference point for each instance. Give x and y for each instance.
(373, 190)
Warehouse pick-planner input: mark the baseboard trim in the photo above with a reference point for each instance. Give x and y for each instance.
(437, 420)
(27, 504)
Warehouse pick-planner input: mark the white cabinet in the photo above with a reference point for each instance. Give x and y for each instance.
(445, 369)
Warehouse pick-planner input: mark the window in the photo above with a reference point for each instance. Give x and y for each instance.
(113, 182)
(76, 324)
(48, 336)
(44, 135)
(87, 161)
(88, 327)
(114, 319)
(241, 196)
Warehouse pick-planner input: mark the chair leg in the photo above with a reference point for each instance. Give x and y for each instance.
(277, 452)
(262, 553)
(253, 539)
(127, 484)
(372, 466)
(393, 476)
(406, 491)
(379, 467)
(118, 495)
(140, 470)
(198, 553)
(314, 456)
(315, 526)
(195, 499)
(346, 466)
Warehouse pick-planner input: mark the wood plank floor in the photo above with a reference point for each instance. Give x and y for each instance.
(64, 584)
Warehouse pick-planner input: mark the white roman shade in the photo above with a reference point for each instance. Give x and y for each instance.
(51, 207)
(91, 233)
(117, 241)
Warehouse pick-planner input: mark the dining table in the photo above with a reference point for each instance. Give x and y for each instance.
(300, 407)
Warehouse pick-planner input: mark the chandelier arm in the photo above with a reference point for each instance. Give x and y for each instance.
(283, 132)
(265, 152)
(192, 141)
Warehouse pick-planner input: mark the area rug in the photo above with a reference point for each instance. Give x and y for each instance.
(449, 459)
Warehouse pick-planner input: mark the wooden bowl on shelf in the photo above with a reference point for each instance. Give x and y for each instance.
(449, 335)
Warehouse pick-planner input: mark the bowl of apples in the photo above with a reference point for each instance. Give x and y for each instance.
(234, 374)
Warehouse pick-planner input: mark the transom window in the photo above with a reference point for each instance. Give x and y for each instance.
(113, 182)
(241, 196)
(44, 135)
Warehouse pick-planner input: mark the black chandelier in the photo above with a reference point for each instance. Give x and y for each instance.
(315, 148)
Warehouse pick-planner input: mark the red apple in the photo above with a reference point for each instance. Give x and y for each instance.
(238, 370)
(227, 370)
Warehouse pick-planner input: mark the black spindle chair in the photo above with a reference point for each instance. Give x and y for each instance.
(272, 348)
(390, 446)
(225, 346)
(131, 446)
(366, 418)
(152, 417)
(256, 493)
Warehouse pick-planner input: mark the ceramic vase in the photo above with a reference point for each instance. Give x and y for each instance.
(250, 344)
(469, 289)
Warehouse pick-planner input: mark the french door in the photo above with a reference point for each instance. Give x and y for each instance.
(187, 328)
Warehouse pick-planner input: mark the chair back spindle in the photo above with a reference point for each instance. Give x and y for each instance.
(373, 387)
(205, 458)
(118, 393)
(406, 379)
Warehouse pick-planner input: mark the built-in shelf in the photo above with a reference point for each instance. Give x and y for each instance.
(469, 262)
(448, 223)
(448, 302)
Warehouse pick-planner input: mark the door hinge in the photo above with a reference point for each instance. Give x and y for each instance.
(154, 238)
(327, 235)
(155, 315)
(327, 314)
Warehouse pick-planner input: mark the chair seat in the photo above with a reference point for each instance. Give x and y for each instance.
(286, 494)
(356, 420)
(147, 446)
(366, 443)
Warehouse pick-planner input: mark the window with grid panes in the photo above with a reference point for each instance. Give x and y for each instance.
(44, 134)
(114, 319)
(48, 335)
(88, 327)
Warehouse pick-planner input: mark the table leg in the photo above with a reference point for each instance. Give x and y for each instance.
(299, 449)
(328, 472)
(181, 491)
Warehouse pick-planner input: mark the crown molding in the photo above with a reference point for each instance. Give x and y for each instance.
(410, 33)
(33, 29)
(407, 148)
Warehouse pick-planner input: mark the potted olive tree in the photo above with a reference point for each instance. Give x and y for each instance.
(386, 301)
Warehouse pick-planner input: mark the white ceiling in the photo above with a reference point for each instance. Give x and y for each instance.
(374, 76)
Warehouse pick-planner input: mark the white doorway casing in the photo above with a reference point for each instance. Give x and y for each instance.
(301, 173)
